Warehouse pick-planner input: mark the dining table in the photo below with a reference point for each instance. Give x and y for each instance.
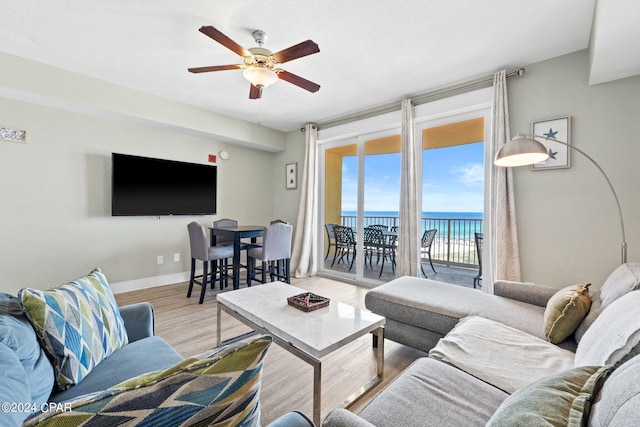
(237, 234)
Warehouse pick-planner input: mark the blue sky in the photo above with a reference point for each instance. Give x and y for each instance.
(453, 179)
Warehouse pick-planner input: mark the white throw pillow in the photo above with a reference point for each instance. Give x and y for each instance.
(614, 335)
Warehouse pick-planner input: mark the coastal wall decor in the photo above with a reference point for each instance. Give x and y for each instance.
(13, 135)
(557, 128)
(291, 173)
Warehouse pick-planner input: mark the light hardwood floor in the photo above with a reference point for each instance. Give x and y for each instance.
(287, 381)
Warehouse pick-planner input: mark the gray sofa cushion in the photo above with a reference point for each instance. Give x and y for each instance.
(614, 336)
(432, 393)
(624, 279)
(528, 292)
(343, 418)
(438, 306)
(618, 403)
(135, 358)
(500, 355)
(594, 312)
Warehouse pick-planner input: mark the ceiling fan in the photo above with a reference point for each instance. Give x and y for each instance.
(260, 64)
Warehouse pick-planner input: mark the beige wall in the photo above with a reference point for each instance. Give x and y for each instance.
(568, 225)
(55, 214)
(285, 202)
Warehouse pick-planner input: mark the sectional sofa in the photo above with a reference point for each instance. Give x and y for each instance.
(529, 355)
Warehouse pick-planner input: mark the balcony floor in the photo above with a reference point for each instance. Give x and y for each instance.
(449, 274)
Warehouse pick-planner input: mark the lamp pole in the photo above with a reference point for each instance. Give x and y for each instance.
(613, 191)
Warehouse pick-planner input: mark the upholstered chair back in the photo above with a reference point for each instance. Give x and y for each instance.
(226, 222)
(277, 242)
(198, 241)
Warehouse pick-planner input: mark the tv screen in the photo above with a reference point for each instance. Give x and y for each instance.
(154, 187)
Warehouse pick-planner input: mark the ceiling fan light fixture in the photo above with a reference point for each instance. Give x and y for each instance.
(260, 76)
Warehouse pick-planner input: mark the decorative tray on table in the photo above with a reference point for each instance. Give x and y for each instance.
(308, 301)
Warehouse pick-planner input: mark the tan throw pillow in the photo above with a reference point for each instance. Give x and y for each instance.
(565, 310)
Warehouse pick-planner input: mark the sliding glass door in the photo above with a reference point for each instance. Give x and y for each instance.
(361, 189)
(360, 178)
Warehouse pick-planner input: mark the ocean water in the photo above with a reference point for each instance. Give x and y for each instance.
(447, 215)
(458, 225)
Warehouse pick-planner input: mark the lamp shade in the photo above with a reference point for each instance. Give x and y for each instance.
(521, 151)
(260, 76)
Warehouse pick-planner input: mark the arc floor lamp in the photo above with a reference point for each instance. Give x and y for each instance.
(524, 150)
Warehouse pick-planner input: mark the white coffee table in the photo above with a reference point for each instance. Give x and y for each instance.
(308, 335)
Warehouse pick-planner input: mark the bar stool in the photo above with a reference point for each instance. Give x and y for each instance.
(200, 250)
(226, 222)
(274, 254)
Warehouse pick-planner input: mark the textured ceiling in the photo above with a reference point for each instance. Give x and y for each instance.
(371, 52)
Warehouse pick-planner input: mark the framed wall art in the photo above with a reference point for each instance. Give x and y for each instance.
(559, 154)
(291, 173)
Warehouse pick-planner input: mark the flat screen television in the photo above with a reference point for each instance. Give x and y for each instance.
(154, 187)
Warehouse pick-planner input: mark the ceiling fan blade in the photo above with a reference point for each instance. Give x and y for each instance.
(224, 40)
(298, 81)
(214, 68)
(298, 51)
(255, 92)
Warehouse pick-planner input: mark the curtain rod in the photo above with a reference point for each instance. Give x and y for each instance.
(418, 99)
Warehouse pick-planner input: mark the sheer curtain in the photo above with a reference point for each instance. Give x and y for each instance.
(502, 241)
(305, 244)
(408, 256)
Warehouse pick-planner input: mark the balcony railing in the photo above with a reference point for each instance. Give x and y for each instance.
(454, 243)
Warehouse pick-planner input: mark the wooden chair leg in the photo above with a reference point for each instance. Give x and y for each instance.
(204, 281)
(287, 270)
(264, 271)
(220, 268)
(251, 266)
(214, 270)
(226, 273)
(193, 276)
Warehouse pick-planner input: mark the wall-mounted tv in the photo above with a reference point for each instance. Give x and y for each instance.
(146, 186)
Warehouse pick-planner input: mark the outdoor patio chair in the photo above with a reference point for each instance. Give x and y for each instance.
(425, 247)
(380, 227)
(375, 242)
(372, 241)
(345, 245)
(331, 238)
(478, 279)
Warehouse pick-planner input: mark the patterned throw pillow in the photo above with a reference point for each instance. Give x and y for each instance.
(78, 324)
(222, 390)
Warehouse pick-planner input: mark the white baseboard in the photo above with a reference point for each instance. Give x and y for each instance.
(148, 282)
